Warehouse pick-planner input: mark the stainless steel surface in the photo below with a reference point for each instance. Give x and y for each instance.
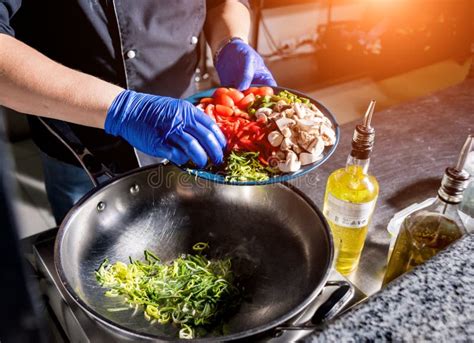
(369, 113)
(78, 327)
(280, 244)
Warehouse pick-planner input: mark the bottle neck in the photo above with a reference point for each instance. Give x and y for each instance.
(445, 208)
(362, 164)
(453, 184)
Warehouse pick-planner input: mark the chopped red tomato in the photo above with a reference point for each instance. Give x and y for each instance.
(220, 91)
(224, 110)
(235, 95)
(206, 101)
(209, 110)
(246, 101)
(262, 91)
(224, 99)
(228, 108)
(252, 90)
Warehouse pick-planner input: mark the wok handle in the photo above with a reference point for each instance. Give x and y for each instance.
(91, 165)
(327, 310)
(335, 302)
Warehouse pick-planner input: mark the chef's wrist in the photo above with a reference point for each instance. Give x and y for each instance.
(116, 112)
(223, 43)
(106, 97)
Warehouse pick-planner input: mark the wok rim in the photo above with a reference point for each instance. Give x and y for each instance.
(130, 333)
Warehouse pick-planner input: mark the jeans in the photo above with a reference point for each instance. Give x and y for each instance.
(65, 185)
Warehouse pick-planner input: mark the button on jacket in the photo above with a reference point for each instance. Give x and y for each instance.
(144, 45)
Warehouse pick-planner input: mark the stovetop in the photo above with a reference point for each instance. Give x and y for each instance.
(74, 323)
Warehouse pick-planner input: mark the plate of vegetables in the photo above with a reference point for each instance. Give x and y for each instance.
(273, 134)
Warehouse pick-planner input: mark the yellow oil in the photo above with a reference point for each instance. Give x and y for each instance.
(352, 185)
(421, 237)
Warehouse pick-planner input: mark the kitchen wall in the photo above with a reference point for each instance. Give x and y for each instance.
(290, 24)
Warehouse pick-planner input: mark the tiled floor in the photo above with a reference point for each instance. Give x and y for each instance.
(347, 101)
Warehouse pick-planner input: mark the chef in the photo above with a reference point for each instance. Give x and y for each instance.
(115, 70)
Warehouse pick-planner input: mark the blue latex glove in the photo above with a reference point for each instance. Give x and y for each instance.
(239, 65)
(165, 127)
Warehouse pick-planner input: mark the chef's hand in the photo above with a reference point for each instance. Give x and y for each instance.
(165, 127)
(239, 65)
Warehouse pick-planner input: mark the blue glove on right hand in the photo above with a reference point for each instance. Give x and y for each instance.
(165, 127)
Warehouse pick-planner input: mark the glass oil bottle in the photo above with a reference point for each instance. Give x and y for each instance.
(351, 194)
(429, 230)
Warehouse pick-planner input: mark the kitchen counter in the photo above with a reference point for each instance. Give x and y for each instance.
(433, 303)
(414, 144)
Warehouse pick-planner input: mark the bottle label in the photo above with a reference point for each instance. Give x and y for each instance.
(348, 214)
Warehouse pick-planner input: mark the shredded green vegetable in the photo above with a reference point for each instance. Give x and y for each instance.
(245, 166)
(289, 98)
(270, 101)
(191, 291)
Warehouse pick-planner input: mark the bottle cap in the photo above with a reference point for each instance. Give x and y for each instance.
(364, 135)
(455, 179)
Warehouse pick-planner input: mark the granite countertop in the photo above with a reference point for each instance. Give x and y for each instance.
(434, 302)
(415, 142)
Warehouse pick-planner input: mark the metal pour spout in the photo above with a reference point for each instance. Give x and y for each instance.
(364, 135)
(464, 152)
(369, 113)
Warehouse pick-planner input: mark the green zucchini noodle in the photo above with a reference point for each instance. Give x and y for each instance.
(245, 166)
(192, 292)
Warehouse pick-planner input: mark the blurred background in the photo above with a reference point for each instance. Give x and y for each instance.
(342, 52)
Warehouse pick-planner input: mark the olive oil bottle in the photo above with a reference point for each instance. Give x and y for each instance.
(351, 194)
(429, 230)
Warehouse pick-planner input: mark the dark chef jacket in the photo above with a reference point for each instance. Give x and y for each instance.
(144, 45)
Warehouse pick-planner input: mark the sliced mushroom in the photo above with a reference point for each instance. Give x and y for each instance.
(276, 115)
(284, 122)
(289, 113)
(264, 110)
(328, 135)
(281, 105)
(318, 148)
(261, 117)
(275, 138)
(304, 139)
(308, 158)
(280, 155)
(312, 144)
(286, 132)
(316, 111)
(297, 149)
(286, 145)
(326, 121)
(307, 124)
(300, 110)
(315, 130)
(291, 163)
